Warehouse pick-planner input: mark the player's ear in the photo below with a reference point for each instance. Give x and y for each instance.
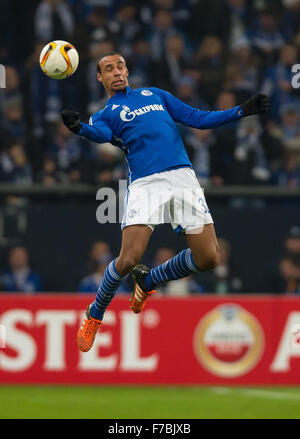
(99, 77)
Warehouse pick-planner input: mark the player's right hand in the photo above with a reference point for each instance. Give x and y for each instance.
(71, 119)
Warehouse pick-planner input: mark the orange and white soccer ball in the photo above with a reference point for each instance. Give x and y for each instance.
(59, 59)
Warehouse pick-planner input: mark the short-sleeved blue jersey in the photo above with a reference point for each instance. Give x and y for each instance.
(143, 123)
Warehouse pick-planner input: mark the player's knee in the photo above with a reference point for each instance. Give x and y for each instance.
(212, 260)
(127, 263)
(207, 261)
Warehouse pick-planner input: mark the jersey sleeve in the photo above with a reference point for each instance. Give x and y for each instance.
(97, 130)
(193, 117)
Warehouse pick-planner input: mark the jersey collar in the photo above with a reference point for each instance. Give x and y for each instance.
(120, 94)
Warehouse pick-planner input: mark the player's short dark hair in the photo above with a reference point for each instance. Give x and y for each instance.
(112, 53)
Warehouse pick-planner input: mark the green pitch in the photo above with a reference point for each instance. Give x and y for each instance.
(72, 402)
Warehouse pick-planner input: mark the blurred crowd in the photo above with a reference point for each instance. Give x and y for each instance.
(212, 54)
(282, 274)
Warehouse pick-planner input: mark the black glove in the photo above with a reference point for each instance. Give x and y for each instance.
(71, 119)
(257, 104)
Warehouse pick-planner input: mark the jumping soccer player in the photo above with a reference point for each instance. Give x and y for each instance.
(143, 123)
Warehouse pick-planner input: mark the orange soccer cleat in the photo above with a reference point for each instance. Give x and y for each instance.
(87, 332)
(140, 292)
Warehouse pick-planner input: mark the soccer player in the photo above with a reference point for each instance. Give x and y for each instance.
(143, 123)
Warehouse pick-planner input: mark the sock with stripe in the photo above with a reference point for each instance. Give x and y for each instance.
(179, 266)
(106, 291)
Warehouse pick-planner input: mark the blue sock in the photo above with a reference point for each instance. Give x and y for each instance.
(179, 266)
(106, 291)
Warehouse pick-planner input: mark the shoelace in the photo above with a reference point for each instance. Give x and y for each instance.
(90, 329)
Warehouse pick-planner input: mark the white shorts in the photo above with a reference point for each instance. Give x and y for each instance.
(173, 196)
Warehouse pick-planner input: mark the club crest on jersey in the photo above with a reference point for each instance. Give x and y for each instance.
(146, 93)
(127, 115)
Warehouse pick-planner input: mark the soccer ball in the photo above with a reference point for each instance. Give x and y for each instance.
(59, 59)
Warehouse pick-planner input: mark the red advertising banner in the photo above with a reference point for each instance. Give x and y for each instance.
(226, 340)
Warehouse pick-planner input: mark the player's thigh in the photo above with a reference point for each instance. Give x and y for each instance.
(135, 239)
(204, 247)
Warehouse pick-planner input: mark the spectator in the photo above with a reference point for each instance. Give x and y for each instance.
(265, 36)
(278, 80)
(98, 250)
(187, 91)
(210, 61)
(242, 72)
(199, 143)
(288, 174)
(14, 165)
(100, 256)
(6, 165)
(288, 132)
(11, 106)
(292, 244)
(52, 18)
(126, 26)
(223, 149)
(95, 28)
(20, 277)
(13, 116)
(289, 276)
(228, 19)
(67, 150)
(240, 154)
(21, 173)
(169, 70)
(291, 20)
(12, 86)
(36, 85)
(90, 283)
(240, 15)
(49, 174)
(180, 11)
(250, 164)
(106, 167)
(225, 278)
(284, 272)
(140, 65)
(162, 28)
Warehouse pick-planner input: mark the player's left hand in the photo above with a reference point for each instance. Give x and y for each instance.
(257, 104)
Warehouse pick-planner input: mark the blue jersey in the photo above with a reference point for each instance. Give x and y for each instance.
(143, 123)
